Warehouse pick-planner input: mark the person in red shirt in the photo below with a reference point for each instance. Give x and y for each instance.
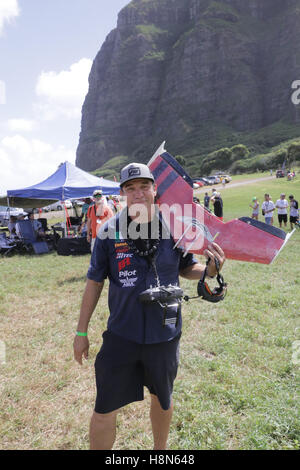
(97, 215)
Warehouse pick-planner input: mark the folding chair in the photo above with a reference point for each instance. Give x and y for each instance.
(7, 246)
(29, 237)
(44, 223)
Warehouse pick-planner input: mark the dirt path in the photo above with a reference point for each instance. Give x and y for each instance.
(219, 187)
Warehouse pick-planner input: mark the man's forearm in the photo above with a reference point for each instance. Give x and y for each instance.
(193, 272)
(90, 299)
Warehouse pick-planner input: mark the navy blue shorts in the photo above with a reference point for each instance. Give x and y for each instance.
(123, 368)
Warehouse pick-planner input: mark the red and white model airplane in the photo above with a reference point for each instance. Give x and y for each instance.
(194, 228)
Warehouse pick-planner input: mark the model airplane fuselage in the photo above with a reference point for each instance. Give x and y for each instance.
(194, 228)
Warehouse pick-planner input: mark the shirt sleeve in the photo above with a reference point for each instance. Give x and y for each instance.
(99, 264)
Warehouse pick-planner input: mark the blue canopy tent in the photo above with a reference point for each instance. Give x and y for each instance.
(68, 182)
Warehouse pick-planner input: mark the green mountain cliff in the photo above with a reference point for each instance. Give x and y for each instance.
(200, 74)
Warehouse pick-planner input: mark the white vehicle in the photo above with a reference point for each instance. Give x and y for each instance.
(6, 212)
(77, 202)
(58, 206)
(213, 179)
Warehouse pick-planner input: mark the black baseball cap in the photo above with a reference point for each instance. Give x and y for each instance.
(134, 171)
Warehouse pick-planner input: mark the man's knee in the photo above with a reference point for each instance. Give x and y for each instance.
(104, 420)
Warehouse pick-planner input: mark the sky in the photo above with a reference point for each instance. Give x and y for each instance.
(47, 48)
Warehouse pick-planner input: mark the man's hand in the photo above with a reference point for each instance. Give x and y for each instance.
(81, 347)
(214, 251)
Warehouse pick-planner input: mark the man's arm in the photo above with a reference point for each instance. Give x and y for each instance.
(90, 299)
(195, 271)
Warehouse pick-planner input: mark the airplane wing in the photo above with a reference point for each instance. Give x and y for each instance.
(194, 228)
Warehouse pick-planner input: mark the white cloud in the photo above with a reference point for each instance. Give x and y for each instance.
(21, 125)
(9, 9)
(61, 94)
(25, 162)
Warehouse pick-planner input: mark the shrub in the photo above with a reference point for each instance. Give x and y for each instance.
(239, 152)
(294, 151)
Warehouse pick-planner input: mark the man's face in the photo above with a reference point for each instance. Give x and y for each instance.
(267, 197)
(98, 199)
(140, 194)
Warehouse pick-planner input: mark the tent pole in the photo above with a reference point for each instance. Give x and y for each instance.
(65, 218)
(8, 207)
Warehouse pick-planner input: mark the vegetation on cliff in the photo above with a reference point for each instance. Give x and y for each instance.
(202, 75)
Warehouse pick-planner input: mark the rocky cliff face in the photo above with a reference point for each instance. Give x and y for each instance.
(186, 71)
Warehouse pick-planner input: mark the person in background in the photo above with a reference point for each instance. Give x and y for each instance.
(111, 204)
(294, 211)
(97, 215)
(117, 203)
(12, 226)
(218, 205)
(268, 208)
(19, 218)
(255, 207)
(87, 202)
(37, 227)
(206, 201)
(282, 206)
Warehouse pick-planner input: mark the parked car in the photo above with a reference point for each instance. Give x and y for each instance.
(6, 212)
(280, 174)
(203, 180)
(222, 177)
(58, 205)
(198, 183)
(77, 202)
(214, 179)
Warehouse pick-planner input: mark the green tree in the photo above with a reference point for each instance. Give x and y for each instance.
(239, 152)
(294, 151)
(181, 160)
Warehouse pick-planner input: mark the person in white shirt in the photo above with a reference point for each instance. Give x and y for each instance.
(282, 206)
(267, 209)
(255, 207)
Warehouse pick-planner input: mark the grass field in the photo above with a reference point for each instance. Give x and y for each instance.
(237, 383)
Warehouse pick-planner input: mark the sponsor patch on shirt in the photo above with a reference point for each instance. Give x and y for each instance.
(128, 278)
(124, 263)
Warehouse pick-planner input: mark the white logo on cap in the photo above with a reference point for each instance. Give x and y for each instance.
(134, 171)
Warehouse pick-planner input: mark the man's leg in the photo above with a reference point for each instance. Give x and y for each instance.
(160, 420)
(103, 430)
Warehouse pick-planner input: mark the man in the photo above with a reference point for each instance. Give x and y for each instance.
(111, 204)
(12, 226)
(206, 201)
(282, 205)
(140, 346)
(267, 209)
(294, 211)
(97, 215)
(87, 202)
(36, 225)
(218, 204)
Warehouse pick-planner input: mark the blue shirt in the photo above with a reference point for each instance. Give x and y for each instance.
(129, 275)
